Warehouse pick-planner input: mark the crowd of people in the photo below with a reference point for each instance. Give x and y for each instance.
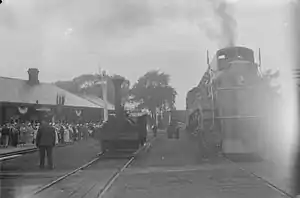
(21, 134)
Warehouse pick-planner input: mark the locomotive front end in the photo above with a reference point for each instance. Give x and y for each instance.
(237, 100)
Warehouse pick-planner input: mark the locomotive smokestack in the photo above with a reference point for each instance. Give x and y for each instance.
(117, 84)
(228, 23)
(226, 35)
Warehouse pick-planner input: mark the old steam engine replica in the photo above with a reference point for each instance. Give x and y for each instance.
(123, 132)
(229, 105)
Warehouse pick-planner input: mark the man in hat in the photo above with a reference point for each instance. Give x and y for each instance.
(45, 141)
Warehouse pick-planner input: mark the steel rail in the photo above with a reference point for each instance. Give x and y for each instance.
(99, 156)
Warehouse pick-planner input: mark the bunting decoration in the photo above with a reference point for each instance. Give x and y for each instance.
(23, 110)
(78, 112)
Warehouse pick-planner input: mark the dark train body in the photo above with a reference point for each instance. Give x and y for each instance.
(127, 134)
(229, 107)
(123, 131)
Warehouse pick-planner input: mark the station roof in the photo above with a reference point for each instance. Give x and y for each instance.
(15, 90)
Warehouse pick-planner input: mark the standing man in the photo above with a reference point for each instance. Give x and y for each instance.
(5, 135)
(154, 129)
(45, 141)
(85, 131)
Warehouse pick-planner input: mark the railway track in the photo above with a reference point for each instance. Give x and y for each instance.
(101, 156)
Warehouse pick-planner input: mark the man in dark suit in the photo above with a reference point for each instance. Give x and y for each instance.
(45, 141)
(5, 135)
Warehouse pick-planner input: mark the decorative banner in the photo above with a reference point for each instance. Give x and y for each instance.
(78, 112)
(23, 110)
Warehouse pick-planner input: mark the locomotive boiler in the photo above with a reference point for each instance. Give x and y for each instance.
(229, 105)
(122, 132)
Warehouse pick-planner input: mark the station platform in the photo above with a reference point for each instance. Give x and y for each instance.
(28, 147)
(11, 149)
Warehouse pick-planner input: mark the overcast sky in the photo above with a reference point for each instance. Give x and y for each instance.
(66, 38)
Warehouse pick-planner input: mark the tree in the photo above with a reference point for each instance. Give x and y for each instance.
(153, 91)
(269, 77)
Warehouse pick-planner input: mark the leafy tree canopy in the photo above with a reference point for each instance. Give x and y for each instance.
(153, 90)
(270, 77)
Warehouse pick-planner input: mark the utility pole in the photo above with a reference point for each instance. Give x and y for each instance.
(103, 81)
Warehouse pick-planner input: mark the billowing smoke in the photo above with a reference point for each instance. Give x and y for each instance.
(226, 34)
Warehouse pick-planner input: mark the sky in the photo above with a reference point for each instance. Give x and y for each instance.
(65, 39)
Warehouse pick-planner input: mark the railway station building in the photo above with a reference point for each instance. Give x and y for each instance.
(28, 100)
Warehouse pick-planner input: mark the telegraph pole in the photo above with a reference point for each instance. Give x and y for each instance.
(103, 81)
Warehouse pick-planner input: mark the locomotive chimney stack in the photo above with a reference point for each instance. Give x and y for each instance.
(117, 84)
(33, 76)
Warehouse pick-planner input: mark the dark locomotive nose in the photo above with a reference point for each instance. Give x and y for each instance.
(122, 133)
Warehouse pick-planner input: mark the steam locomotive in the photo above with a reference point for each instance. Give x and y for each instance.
(229, 107)
(123, 132)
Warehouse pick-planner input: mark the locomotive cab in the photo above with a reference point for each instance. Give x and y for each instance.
(228, 55)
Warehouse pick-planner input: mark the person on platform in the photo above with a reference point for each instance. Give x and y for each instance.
(80, 132)
(15, 135)
(85, 131)
(70, 132)
(75, 133)
(154, 129)
(5, 135)
(62, 134)
(56, 128)
(22, 134)
(45, 141)
(66, 133)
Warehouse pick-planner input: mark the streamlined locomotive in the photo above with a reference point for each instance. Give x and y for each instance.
(229, 105)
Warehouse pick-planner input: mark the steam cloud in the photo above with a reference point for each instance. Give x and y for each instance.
(227, 34)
